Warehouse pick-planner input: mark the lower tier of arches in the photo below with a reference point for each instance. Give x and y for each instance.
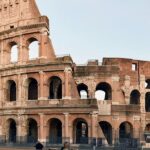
(75, 128)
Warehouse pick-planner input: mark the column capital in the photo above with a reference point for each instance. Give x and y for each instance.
(68, 69)
(41, 72)
(95, 113)
(66, 113)
(41, 114)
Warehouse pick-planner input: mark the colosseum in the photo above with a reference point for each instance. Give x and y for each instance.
(51, 99)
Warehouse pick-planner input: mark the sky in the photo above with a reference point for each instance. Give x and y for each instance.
(93, 29)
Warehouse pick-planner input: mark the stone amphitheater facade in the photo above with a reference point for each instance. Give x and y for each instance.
(52, 99)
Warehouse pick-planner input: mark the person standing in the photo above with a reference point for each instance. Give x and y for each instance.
(66, 146)
(39, 146)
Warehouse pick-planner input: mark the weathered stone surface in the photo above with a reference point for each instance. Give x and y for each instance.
(49, 88)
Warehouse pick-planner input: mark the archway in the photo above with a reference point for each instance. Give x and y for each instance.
(125, 131)
(147, 84)
(55, 88)
(107, 131)
(33, 48)
(32, 133)
(80, 130)
(147, 102)
(11, 90)
(147, 133)
(83, 91)
(55, 131)
(14, 52)
(135, 97)
(32, 89)
(103, 91)
(12, 131)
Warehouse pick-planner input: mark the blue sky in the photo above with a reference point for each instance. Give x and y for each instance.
(93, 29)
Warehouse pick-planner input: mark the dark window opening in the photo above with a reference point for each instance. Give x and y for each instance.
(32, 89)
(12, 131)
(12, 91)
(125, 131)
(107, 131)
(11, 27)
(32, 135)
(135, 97)
(80, 132)
(147, 102)
(147, 133)
(55, 88)
(55, 133)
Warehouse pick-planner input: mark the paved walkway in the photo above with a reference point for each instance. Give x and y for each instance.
(8, 148)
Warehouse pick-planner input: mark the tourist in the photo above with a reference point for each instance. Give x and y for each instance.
(39, 146)
(66, 146)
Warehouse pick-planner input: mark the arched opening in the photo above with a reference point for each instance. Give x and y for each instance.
(80, 130)
(55, 88)
(11, 90)
(33, 48)
(14, 52)
(32, 133)
(12, 131)
(83, 91)
(147, 102)
(103, 91)
(107, 131)
(135, 97)
(32, 89)
(147, 84)
(55, 131)
(147, 133)
(125, 131)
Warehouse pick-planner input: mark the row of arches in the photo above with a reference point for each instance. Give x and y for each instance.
(33, 49)
(80, 131)
(55, 89)
(103, 91)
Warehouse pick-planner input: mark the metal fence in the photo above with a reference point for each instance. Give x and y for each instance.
(117, 144)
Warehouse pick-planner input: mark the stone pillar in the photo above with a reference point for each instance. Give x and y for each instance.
(2, 54)
(19, 90)
(67, 88)
(41, 88)
(126, 89)
(142, 91)
(142, 129)
(42, 132)
(66, 127)
(114, 136)
(42, 47)
(22, 128)
(1, 92)
(24, 95)
(94, 123)
(2, 127)
(23, 51)
(6, 55)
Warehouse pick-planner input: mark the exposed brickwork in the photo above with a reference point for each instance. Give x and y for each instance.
(59, 100)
